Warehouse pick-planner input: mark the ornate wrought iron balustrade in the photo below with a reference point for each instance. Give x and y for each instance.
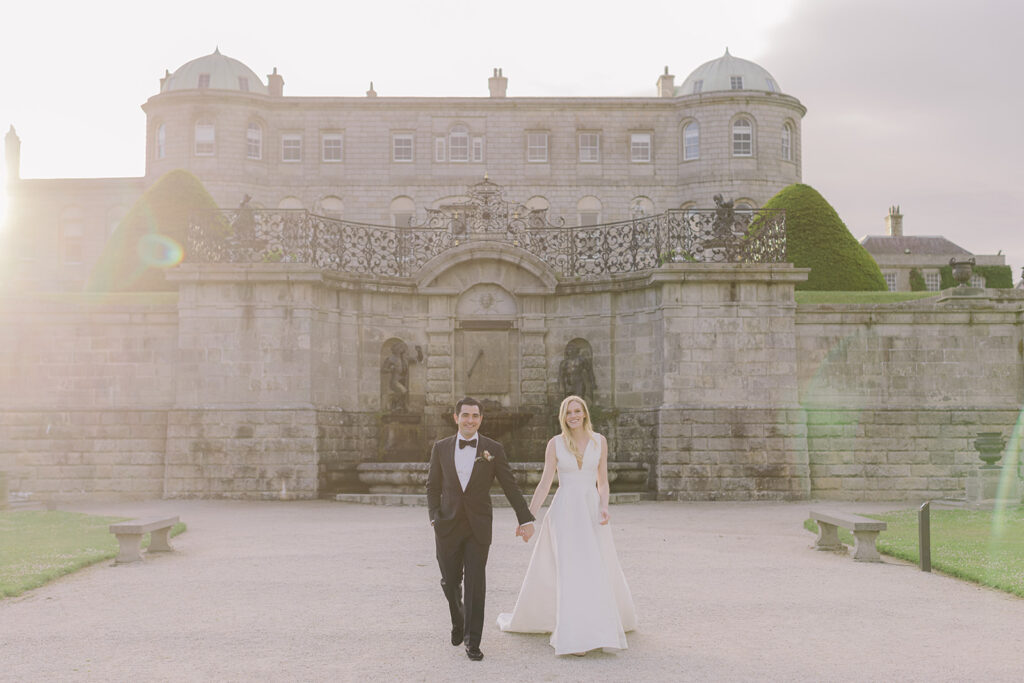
(643, 243)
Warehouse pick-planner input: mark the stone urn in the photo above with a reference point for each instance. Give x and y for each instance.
(962, 270)
(990, 447)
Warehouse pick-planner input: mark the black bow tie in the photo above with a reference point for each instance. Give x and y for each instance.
(463, 443)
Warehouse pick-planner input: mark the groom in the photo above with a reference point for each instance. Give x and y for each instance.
(462, 468)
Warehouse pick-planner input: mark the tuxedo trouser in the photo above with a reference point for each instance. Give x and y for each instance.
(460, 556)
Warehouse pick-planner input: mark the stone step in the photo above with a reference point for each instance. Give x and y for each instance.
(420, 499)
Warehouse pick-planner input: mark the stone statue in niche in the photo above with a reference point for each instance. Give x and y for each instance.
(576, 372)
(395, 369)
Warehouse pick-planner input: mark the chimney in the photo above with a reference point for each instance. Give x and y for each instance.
(498, 84)
(371, 92)
(275, 84)
(666, 84)
(894, 222)
(167, 74)
(12, 152)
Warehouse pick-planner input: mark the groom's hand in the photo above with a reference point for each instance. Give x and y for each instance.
(526, 531)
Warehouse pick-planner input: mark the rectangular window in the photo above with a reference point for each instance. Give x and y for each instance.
(291, 147)
(640, 147)
(331, 147)
(254, 142)
(204, 81)
(206, 138)
(458, 146)
(243, 84)
(478, 149)
(890, 281)
(736, 82)
(161, 141)
(401, 147)
(691, 141)
(698, 86)
(590, 148)
(439, 149)
(537, 147)
(931, 281)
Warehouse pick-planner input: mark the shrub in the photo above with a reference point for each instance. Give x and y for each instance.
(817, 238)
(151, 238)
(996, 277)
(917, 283)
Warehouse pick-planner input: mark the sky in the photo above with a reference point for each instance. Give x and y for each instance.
(909, 102)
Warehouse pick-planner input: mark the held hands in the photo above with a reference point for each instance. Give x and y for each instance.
(602, 516)
(526, 531)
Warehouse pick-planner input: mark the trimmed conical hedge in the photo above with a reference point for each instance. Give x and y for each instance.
(817, 238)
(152, 237)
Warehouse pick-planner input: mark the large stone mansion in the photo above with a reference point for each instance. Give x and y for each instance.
(728, 128)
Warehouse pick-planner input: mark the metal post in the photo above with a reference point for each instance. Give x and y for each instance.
(924, 536)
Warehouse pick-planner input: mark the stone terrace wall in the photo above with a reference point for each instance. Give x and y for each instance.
(85, 382)
(895, 395)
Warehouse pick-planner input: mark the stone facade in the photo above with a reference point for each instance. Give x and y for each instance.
(384, 160)
(264, 380)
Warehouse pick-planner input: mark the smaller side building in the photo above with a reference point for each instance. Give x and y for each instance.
(898, 254)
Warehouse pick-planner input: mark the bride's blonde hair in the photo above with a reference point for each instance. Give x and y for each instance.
(588, 427)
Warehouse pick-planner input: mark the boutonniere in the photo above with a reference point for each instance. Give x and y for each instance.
(486, 456)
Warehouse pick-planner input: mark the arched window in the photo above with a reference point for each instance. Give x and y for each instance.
(161, 141)
(205, 138)
(72, 234)
(331, 206)
(787, 142)
(691, 141)
(290, 203)
(403, 210)
(254, 141)
(458, 144)
(589, 211)
(114, 217)
(742, 137)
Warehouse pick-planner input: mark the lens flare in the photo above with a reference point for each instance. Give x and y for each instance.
(159, 251)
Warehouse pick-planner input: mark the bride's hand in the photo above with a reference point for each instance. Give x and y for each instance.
(603, 516)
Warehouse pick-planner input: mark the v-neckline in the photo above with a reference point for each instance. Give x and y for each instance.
(579, 463)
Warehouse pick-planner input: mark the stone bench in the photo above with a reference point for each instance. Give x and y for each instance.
(129, 537)
(865, 531)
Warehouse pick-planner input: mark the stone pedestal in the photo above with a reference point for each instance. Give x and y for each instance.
(985, 487)
(401, 438)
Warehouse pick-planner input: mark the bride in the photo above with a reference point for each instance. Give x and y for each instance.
(574, 587)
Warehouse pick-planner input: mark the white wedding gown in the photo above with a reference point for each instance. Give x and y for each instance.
(574, 587)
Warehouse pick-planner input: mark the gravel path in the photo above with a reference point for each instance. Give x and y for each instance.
(311, 591)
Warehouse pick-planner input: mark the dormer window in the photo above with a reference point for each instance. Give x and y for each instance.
(771, 85)
(204, 80)
(698, 86)
(243, 84)
(736, 82)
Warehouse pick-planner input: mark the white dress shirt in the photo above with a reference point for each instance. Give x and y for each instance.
(465, 458)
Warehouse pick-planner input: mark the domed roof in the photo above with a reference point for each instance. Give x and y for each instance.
(214, 71)
(728, 73)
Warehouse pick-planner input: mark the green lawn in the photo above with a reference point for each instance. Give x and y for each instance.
(976, 545)
(37, 546)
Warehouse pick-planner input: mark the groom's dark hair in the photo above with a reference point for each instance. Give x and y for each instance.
(468, 401)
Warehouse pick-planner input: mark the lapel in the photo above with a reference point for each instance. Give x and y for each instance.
(478, 464)
(448, 456)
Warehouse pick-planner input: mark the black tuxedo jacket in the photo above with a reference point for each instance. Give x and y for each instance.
(447, 502)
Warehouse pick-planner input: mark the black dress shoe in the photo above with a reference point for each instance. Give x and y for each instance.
(473, 652)
(457, 636)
